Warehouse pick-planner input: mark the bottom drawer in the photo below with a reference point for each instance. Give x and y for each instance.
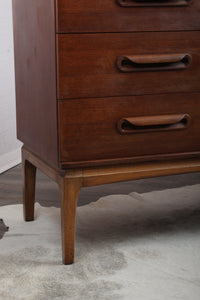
(96, 130)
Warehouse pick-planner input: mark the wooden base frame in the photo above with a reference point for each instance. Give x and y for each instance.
(70, 182)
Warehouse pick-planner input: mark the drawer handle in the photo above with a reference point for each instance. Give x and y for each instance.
(153, 123)
(161, 62)
(131, 3)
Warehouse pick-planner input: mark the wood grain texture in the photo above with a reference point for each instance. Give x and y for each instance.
(51, 172)
(35, 73)
(87, 64)
(154, 3)
(29, 180)
(153, 62)
(88, 128)
(108, 16)
(150, 124)
(109, 174)
(69, 190)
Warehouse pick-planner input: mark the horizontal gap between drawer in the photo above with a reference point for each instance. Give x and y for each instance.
(119, 32)
(134, 159)
(121, 96)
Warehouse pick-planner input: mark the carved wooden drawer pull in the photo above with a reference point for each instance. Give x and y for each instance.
(153, 123)
(130, 3)
(161, 62)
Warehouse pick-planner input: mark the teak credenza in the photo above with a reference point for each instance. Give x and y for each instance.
(106, 91)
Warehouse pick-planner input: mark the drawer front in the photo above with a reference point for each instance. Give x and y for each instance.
(101, 65)
(127, 15)
(121, 128)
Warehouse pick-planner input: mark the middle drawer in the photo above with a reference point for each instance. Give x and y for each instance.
(114, 64)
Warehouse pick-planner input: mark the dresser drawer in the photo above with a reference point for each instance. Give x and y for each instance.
(127, 15)
(120, 128)
(101, 65)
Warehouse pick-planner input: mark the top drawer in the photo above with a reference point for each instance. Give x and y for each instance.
(127, 15)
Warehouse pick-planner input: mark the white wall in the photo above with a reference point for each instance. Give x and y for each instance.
(9, 145)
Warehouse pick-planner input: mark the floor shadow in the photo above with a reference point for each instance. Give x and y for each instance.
(3, 228)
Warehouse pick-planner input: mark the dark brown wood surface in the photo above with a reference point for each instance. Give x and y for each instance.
(29, 180)
(69, 190)
(88, 127)
(87, 64)
(108, 16)
(35, 73)
(109, 174)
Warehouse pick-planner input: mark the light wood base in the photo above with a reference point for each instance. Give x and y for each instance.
(70, 182)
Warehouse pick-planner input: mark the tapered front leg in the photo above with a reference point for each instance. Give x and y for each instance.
(29, 176)
(69, 190)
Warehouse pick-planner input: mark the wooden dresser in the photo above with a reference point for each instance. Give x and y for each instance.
(106, 91)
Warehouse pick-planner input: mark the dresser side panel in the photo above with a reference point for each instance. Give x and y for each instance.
(35, 73)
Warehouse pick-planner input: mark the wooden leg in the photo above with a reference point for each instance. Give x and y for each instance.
(69, 190)
(29, 176)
